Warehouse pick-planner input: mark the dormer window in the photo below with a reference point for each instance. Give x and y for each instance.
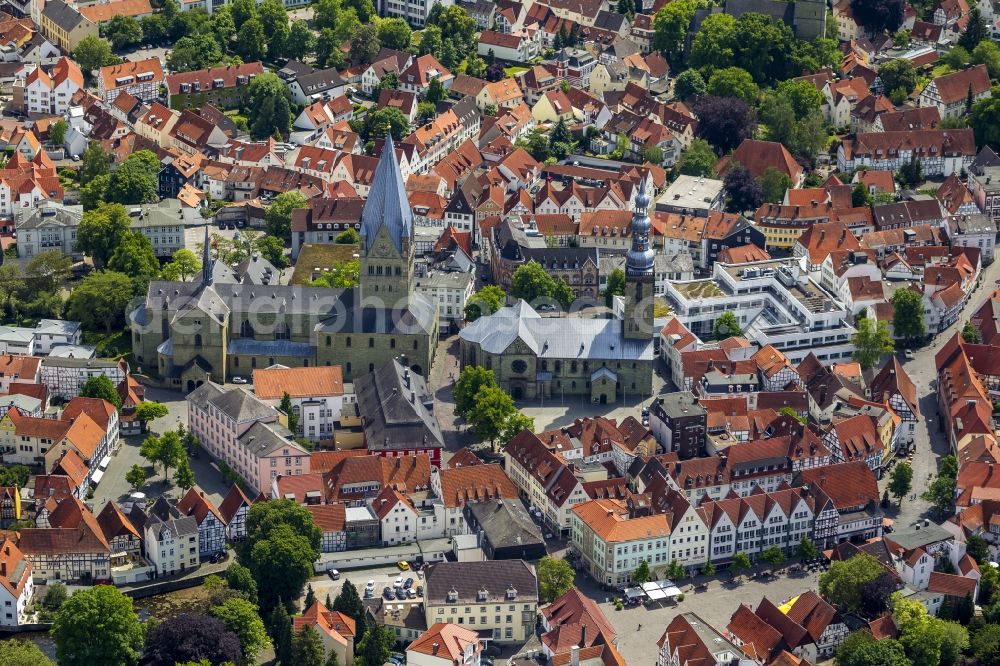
(482, 595)
(452, 596)
(511, 593)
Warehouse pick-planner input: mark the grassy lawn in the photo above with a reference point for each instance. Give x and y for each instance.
(940, 70)
(511, 71)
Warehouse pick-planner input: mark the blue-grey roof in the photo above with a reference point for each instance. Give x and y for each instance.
(387, 203)
(251, 347)
(556, 337)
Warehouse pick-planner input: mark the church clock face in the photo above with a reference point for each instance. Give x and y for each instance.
(382, 248)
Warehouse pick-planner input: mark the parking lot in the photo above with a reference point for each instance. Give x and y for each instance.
(382, 576)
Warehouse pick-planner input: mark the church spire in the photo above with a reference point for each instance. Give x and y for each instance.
(639, 260)
(387, 203)
(206, 260)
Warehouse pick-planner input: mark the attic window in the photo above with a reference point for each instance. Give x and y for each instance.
(452, 596)
(511, 592)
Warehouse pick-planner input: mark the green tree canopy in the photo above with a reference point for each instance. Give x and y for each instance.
(95, 162)
(698, 159)
(842, 583)
(92, 53)
(268, 105)
(19, 652)
(136, 477)
(166, 450)
(278, 216)
(57, 132)
(871, 342)
(616, 286)
(908, 315)
(486, 301)
(806, 549)
(101, 230)
(281, 545)
(104, 612)
(470, 380)
(182, 266)
(136, 180)
(860, 649)
(733, 82)
(555, 578)
(688, 84)
(727, 326)
(101, 387)
(774, 184)
(100, 300)
(135, 258)
(530, 282)
(495, 417)
(241, 618)
(901, 480)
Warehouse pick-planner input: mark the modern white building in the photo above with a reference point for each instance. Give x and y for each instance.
(776, 304)
(171, 539)
(318, 396)
(449, 290)
(16, 584)
(414, 12)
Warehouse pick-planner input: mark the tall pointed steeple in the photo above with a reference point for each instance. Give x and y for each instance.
(206, 260)
(387, 203)
(639, 259)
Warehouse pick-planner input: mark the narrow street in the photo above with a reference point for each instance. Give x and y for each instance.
(931, 443)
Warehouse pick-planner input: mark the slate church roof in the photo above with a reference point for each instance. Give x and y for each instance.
(387, 203)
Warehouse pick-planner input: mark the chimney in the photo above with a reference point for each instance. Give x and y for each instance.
(583, 635)
(574, 659)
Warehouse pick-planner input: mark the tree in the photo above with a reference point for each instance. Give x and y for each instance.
(876, 16)
(349, 603)
(562, 292)
(293, 420)
(14, 475)
(698, 159)
(136, 180)
(394, 33)
(348, 237)
(985, 645)
(194, 52)
(184, 478)
(985, 121)
(537, 145)
(135, 258)
(871, 342)
(901, 479)
(278, 216)
(435, 91)
(860, 649)
(251, 41)
(430, 41)
(105, 609)
(101, 387)
(977, 548)
(727, 326)
(860, 196)
(733, 82)
(268, 105)
(773, 555)
(310, 597)
(183, 265)
(774, 184)
(987, 53)
(708, 569)
(653, 155)
(674, 570)
(301, 41)
(642, 573)
(55, 597)
(941, 491)
(92, 53)
(57, 132)
(928, 641)
(495, 417)
(273, 19)
(100, 300)
(616, 286)
(805, 550)
(187, 637)
(124, 32)
(242, 11)
(841, 584)
(18, 652)
(902, 38)
(47, 271)
(165, 449)
(689, 84)
(95, 162)
(240, 580)
(670, 28)
(280, 630)
(486, 301)
(240, 617)
(740, 562)
(555, 578)
(365, 44)
(307, 649)
(975, 30)
(387, 120)
(281, 545)
(910, 174)
(908, 315)
(470, 381)
(724, 121)
(743, 190)
(898, 74)
(136, 477)
(376, 646)
(101, 230)
(530, 282)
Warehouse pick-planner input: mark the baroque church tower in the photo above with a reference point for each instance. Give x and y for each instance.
(387, 235)
(638, 314)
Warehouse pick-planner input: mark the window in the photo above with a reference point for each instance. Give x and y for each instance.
(519, 366)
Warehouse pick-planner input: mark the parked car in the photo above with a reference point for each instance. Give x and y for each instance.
(908, 354)
(410, 594)
(420, 590)
(239, 380)
(400, 594)
(403, 565)
(370, 586)
(387, 593)
(398, 582)
(218, 557)
(408, 583)
(334, 574)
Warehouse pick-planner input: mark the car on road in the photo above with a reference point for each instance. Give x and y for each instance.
(334, 574)
(218, 557)
(908, 354)
(239, 380)
(403, 565)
